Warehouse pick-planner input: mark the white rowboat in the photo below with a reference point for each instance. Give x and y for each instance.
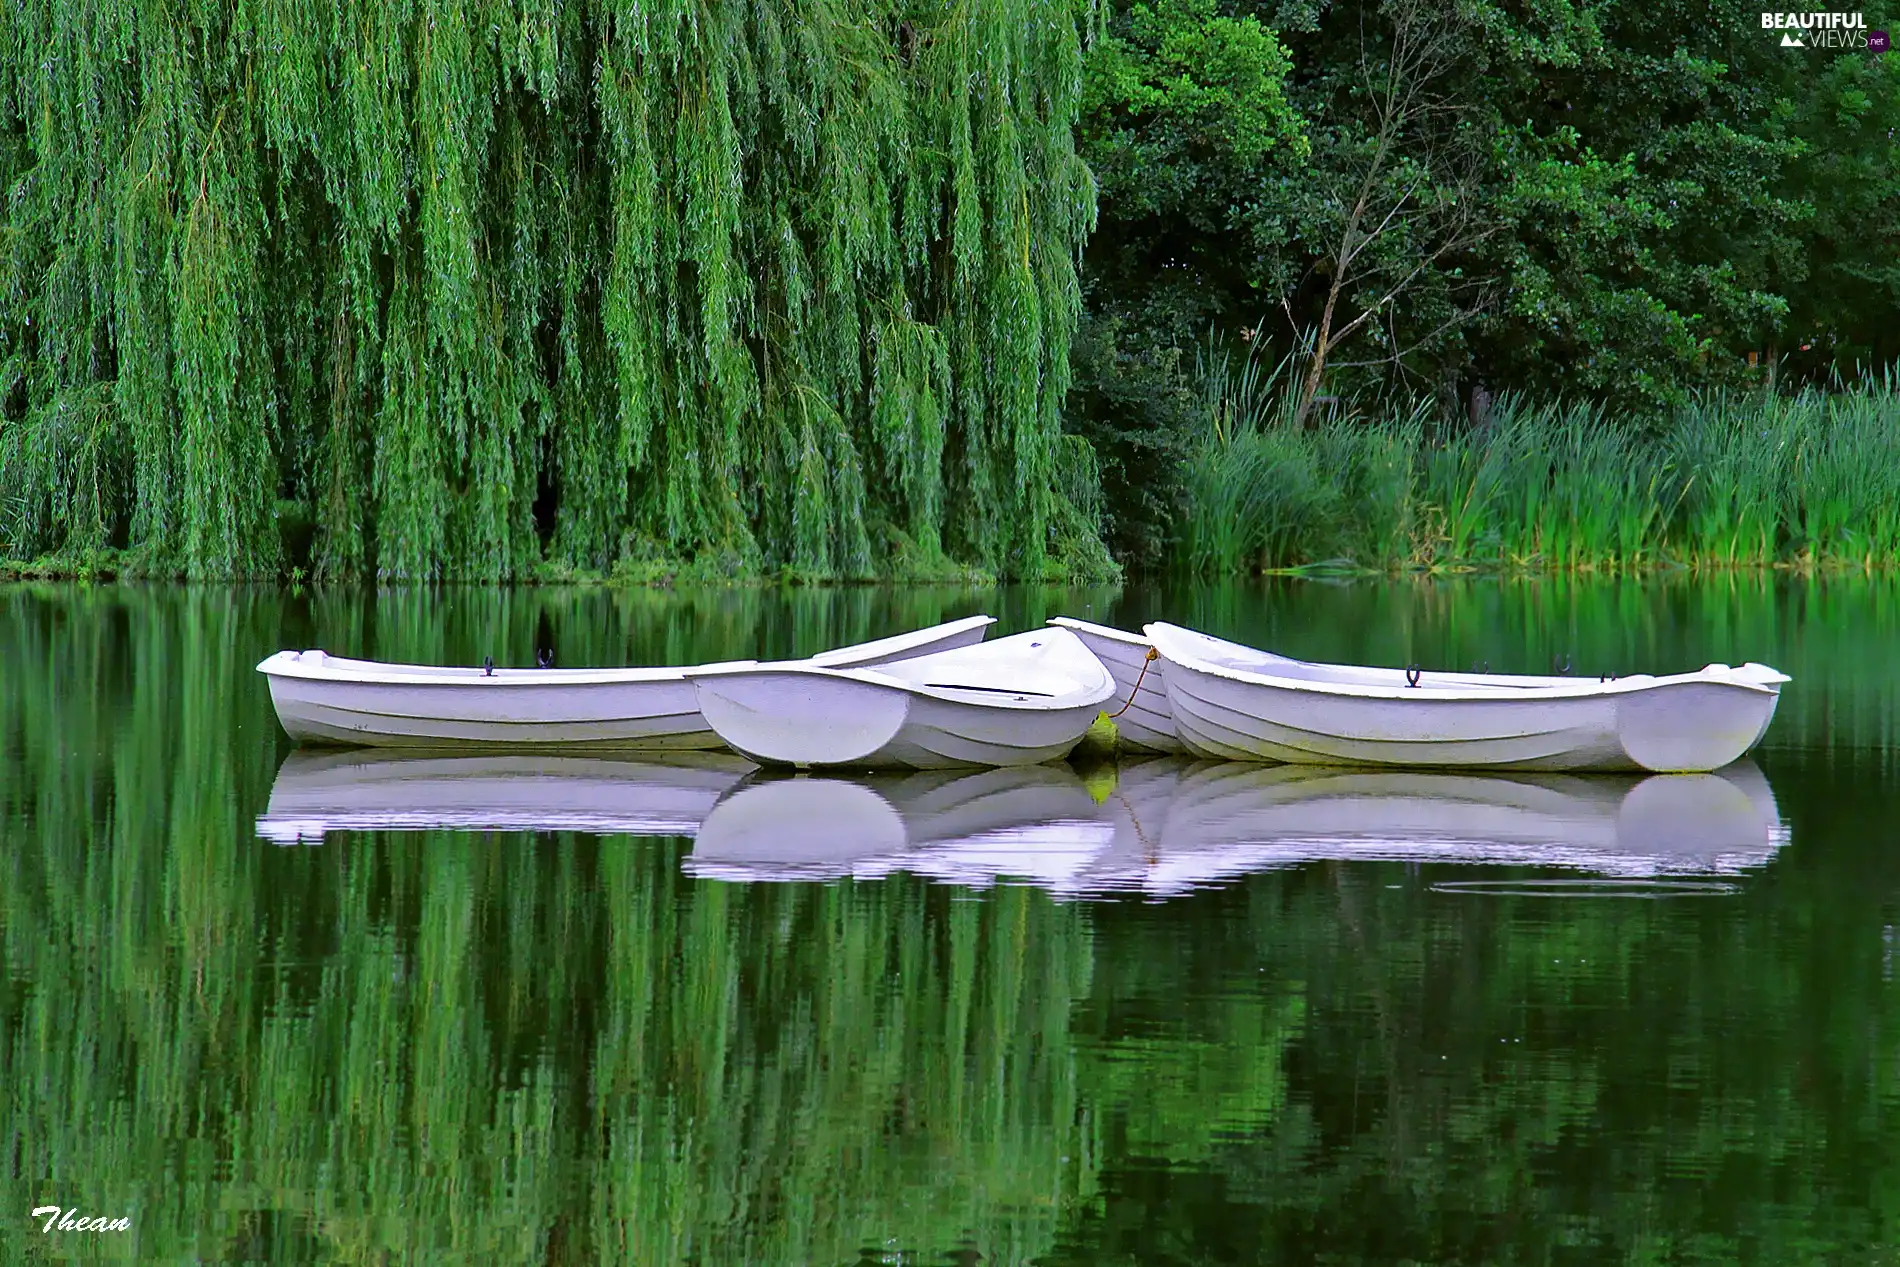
(326, 699)
(1015, 701)
(1147, 723)
(1232, 701)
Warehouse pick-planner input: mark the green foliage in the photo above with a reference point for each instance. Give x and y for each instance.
(1644, 157)
(1184, 119)
(1251, 485)
(1178, 94)
(1842, 288)
(1570, 211)
(1136, 407)
(484, 289)
(1646, 196)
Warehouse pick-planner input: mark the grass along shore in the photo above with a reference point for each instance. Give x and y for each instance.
(1737, 481)
(1740, 481)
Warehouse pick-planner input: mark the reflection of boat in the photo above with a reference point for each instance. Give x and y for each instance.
(1166, 826)
(1146, 724)
(326, 699)
(1232, 701)
(1227, 819)
(370, 790)
(1037, 822)
(1015, 701)
(1171, 825)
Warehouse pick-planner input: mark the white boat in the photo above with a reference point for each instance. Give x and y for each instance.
(1145, 720)
(370, 789)
(1232, 701)
(1036, 822)
(326, 699)
(1015, 701)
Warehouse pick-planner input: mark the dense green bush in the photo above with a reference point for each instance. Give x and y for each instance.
(1622, 203)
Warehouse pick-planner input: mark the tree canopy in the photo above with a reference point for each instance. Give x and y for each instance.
(487, 289)
(1610, 201)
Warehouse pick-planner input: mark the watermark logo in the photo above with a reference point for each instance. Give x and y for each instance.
(1877, 42)
(58, 1220)
(1820, 30)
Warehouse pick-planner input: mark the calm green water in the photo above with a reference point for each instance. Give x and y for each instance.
(1279, 1045)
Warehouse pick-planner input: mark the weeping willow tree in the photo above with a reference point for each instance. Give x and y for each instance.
(471, 286)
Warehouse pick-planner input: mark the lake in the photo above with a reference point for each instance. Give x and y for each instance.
(287, 1007)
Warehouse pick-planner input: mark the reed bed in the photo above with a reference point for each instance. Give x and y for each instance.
(1733, 481)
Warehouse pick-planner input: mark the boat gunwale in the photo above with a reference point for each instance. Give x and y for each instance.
(349, 671)
(1106, 632)
(991, 697)
(1083, 695)
(880, 648)
(383, 673)
(1545, 689)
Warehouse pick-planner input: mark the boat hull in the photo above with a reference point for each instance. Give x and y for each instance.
(1673, 728)
(813, 719)
(1691, 723)
(645, 715)
(1018, 701)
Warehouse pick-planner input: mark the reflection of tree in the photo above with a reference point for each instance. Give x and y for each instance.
(509, 1048)
(840, 1066)
(481, 1048)
(1485, 1079)
(1173, 1071)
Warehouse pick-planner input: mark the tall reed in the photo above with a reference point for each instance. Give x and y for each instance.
(1749, 481)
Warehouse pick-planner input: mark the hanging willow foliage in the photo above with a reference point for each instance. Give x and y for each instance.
(478, 285)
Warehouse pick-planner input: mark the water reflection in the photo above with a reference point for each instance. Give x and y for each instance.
(1246, 817)
(554, 1046)
(363, 789)
(1037, 823)
(1170, 826)
(1159, 827)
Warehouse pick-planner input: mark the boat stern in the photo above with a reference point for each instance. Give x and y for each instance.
(1695, 726)
(792, 716)
(290, 662)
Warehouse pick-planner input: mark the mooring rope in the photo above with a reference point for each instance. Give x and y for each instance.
(1150, 658)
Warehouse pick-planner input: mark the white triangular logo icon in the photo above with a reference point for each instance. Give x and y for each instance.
(1792, 41)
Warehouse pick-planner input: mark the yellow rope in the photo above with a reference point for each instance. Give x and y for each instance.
(1151, 657)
